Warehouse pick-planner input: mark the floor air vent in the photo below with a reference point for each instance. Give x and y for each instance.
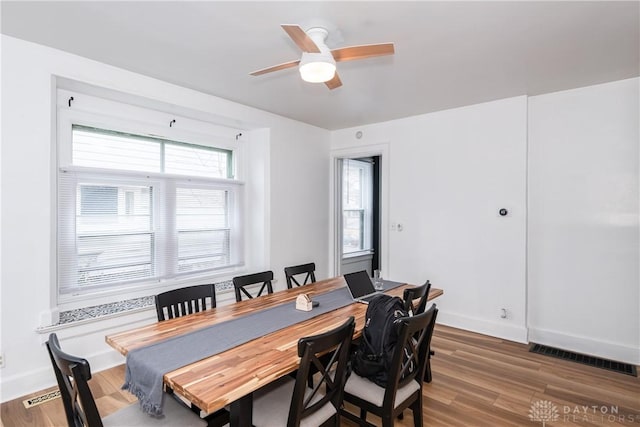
(623, 368)
(37, 400)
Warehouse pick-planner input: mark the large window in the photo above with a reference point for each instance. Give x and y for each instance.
(135, 209)
(356, 206)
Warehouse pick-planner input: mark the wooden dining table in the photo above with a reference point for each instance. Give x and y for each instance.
(230, 377)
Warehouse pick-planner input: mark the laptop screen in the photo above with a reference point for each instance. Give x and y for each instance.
(359, 283)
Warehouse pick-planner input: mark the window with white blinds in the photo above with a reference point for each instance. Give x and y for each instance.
(136, 209)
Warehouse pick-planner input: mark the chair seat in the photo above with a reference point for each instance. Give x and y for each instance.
(373, 393)
(175, 414)
(271, 406)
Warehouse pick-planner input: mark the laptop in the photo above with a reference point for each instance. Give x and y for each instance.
(361, 287)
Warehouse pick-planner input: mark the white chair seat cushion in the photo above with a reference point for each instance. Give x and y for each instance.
(271, 406)
(175, 414)
(373, 393)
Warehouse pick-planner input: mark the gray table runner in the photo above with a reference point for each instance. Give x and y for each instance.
(146, 366)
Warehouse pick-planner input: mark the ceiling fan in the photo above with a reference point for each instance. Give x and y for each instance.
(318, 63)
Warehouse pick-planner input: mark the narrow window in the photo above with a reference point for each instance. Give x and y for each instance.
(356, 206)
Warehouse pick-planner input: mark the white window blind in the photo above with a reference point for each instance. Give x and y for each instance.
(202, 220)
(134, 209)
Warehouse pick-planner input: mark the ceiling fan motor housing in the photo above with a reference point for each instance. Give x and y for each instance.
(317, 67)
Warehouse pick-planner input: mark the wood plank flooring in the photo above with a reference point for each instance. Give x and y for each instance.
(477, 381)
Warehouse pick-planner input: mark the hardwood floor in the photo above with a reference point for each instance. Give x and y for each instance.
(477, 381)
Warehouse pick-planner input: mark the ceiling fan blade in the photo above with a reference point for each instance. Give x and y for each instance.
(362, 51)
(335, 82)
(301, 38)
(276, 68)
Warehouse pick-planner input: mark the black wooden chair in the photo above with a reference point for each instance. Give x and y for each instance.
(409, 296)
(290, 402)
(179, 302)
(308, 269)
(240, 283)
(73, 374)
(404, 388)
(290, 274)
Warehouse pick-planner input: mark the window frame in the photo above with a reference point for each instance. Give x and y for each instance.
(94, 112)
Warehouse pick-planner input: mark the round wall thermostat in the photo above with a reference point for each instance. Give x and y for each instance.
(503, 212)
(359, 134)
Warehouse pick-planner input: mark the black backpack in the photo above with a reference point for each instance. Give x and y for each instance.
(372, 359)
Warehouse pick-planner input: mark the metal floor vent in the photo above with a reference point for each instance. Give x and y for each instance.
(623, 368)
(43, 398)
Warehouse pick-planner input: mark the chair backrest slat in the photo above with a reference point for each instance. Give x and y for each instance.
(183, 301)
(334, 347)
(411, 294)
(308, 269)
(73, 374)
(240, 284)
(414, 340)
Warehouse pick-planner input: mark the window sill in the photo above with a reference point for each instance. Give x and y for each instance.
(96, 313)
(357, 254)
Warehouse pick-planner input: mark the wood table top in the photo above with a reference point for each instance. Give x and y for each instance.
(218, 380)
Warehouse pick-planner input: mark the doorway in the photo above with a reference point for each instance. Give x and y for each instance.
(358, 214)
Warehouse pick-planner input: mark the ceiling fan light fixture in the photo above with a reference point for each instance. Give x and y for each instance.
(318, 62)
(317, 67)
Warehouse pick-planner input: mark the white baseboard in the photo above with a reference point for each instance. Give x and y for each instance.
(17, 386)
(20, 385)
(505, 330)
(586, 345)
(88, 335)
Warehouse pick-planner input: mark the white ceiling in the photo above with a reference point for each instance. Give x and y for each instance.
(448, 54)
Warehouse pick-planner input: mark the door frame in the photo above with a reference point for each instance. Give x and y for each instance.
(335, 217)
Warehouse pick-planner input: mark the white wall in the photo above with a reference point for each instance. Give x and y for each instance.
(565, 261)
(288, 159)
(584, 280)
(449, 174)
(300, 187)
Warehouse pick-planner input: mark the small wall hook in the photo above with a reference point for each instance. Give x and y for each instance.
(238, 136)
(69, 102)
(172, 122)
